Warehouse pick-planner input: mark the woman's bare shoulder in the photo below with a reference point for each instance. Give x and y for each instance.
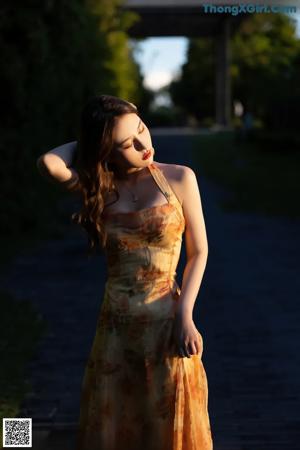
(173, 171)
(174, 175)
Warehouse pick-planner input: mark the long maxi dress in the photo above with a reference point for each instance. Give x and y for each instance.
(137, 392)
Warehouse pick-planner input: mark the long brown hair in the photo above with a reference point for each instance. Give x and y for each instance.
(92, 162)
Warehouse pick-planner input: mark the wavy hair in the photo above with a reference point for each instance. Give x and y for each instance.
(92, 162)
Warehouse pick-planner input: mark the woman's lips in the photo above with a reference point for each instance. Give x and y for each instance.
(147, 155)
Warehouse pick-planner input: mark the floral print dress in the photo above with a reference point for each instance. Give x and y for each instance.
(137, 392)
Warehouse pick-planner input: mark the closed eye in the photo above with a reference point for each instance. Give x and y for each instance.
(141, 131)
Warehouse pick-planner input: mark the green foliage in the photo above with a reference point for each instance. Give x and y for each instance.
(194, 90)
(165, 116)
(265, 68)
(55, 54)
(264, 71)
(114, 22)
(265, 182)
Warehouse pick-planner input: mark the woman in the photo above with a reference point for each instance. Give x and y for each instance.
(144, 386)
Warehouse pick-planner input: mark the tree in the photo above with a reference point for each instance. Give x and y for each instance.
(265, 67)
(55, 54)
(264, 71)
(194, 89)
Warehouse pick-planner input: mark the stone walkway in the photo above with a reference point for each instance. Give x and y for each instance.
(247, 311)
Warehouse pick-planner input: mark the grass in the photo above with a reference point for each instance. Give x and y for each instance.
(258, 180)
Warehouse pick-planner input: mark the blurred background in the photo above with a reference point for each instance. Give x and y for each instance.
(221, 94)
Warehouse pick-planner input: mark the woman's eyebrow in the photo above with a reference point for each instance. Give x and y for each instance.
(120, 143)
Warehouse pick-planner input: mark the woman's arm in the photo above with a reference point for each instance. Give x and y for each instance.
(55, 166)
(187, 337)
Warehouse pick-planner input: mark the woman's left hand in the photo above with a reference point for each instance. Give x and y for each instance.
(187, 338)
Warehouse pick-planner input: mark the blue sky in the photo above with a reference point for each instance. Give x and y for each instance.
(161, 58)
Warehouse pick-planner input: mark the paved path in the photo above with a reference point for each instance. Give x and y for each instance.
(247, 311)
(250, 309)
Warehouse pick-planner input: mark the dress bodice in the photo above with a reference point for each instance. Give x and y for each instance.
(143, 249)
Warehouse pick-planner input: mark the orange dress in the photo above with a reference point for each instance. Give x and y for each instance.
(137, 392)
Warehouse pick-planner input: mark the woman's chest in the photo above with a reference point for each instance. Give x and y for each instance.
(157, 226)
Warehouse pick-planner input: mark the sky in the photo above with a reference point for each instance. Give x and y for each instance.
(161, 58)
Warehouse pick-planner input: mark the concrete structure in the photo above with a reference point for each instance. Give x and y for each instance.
(189, 18)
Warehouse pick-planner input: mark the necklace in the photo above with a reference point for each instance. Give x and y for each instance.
(133, 195)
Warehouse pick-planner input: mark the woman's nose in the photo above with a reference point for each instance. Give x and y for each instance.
(139, 144)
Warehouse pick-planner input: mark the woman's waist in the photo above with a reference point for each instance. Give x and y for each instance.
(141, 300)
(140, 274)
(147, 285)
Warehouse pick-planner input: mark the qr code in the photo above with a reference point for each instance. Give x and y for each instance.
(17, 432)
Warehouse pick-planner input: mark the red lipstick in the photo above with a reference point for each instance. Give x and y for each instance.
(147, 155)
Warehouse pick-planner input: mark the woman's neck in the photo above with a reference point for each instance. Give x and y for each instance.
(130, 176)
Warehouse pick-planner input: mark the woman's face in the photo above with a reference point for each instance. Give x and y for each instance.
(132, 141)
